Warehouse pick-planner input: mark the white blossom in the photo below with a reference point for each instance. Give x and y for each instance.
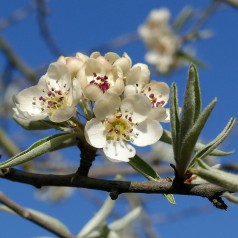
(102, 74)
(55, 96)
(119, 124)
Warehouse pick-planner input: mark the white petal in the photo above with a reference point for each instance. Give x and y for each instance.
(63, 114)
(106, 105)
(132, 76)
(92, 92)
(158, 114)
(119, 151)
(93, 66)
(94, 133)
(124, 63)
(118, 87)
(137, 104)
(139, 73)
(26, 97)
(160, 90)
(111, 57)
(58, 75)
(149, 132)
(77, 92)
(167, 119)
(130, 90)
(26, 115)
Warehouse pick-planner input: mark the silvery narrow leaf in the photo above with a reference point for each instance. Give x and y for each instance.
(205, 151)
(39, 125)
(192, 103)
(126, 220)
(38, 148)
(148, 172)
(230, 197)
(49, 219)
(174, 121)
(191, 138)
(216, 176)
(98, 218)
(166, 137)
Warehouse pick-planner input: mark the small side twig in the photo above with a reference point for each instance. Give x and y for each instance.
(28, 215)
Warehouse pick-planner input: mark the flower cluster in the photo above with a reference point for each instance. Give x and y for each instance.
(161, 40)
(122, 106)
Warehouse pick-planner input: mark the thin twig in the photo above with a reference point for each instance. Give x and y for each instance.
(28, 215)
(42, 12)
(17, 15)
(16, 61)
(7, 144)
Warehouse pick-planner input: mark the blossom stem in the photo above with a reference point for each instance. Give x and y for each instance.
(84, 105)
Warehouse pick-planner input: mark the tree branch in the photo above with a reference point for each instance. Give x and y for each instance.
(115, 188)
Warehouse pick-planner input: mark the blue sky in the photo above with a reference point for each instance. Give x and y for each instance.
(83, 25)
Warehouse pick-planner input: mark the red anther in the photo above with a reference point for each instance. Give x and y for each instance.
(49, 93)
(151, 95)
(52, 89)
(94, 74)
(110, 130)
(50, 103)
(41, 98)
(59, 92)
(130, 119)
(119, 116)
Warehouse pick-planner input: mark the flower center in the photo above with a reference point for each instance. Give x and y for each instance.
(155, 100)
(120, 126)
(51, 101)
(101, 82)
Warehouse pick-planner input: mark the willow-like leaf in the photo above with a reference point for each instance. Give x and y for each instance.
(38, 148)
(192, 103)
(191, 138)
(167, 138)
(174, 121)
(39, 125)
(148, 172)
(215, 176)
(213, 144)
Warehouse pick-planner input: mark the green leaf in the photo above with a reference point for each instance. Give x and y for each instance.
(218, 177)
(192, 103)
(38, 148)
(174, 121)
(191, 138)
(49, 219)
(205, 151)
(148, 172)
(143, 168)
(166, 138)
(39, 125)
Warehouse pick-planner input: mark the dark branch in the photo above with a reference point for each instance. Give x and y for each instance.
(115, 188)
